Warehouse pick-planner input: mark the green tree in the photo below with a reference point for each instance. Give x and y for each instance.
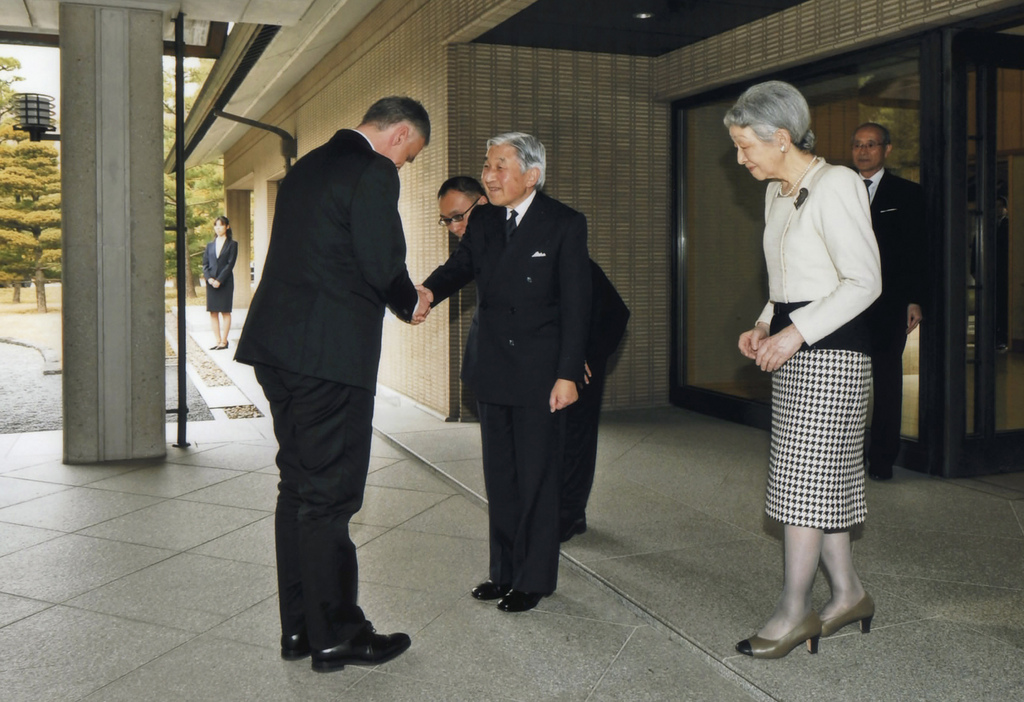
(7, 80)
(204, 185)
(30, 238)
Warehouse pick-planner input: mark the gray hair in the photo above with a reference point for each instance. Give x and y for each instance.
(529, 151)
(768, 107)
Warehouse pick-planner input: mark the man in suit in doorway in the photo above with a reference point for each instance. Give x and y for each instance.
(528, 255)
(897, 217)
(313, 334)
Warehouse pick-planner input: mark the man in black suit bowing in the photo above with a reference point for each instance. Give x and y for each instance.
(313, 334)
(897, 216)
(528, 255)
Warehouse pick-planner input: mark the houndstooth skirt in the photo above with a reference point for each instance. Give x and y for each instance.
(816, 468)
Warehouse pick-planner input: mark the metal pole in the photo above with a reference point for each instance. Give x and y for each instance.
(179, 196)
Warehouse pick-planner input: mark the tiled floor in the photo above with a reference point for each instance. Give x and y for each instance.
(155, 580)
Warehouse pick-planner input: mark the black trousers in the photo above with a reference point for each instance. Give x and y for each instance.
(887, 343)
(580, 454)
(324, 431)
(522, 478)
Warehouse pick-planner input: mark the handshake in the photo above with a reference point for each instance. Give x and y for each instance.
(423, 306)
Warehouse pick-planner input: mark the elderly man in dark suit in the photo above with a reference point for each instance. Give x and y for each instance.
(528, 255)
(897, 217)
(313, 334)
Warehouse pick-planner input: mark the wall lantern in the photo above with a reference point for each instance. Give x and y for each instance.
(34, 114)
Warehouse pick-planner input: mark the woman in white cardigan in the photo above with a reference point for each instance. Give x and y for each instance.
(823, 272)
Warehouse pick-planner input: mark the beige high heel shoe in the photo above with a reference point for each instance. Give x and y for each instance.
(863, 612)
(809, 630)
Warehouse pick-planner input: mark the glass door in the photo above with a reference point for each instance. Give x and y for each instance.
(987, 221)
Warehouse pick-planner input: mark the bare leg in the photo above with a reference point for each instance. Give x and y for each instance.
(215, 326)
(226, 327)
(837, 558)
(802, 549)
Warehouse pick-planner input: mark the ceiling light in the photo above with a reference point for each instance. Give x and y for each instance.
(643, 15)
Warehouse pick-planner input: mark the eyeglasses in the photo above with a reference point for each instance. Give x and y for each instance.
(446, 221)
(869, 145)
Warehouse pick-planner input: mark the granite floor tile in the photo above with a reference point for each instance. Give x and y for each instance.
(940, 555)
(14, 537)
(248, 490)
(83, 652)
(926, 660)
(165, 480)
(209, 669)
(444, 444)
(994, 611)
(513, 654)
(390, 507)
(232, 456)
(175, 524)
(61, 568)
(615, 527)
(914, 506)
(652, 668)
(54, 471)
(73, 509)
(469, 474)
(15, 490)
(455, 516)
(188, 591)
(381, 686)
(410, 475)
(14, 608)
(253, 543)
(428, 562)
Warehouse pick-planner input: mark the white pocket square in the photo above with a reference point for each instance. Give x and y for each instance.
(538, 254)
(891, 209)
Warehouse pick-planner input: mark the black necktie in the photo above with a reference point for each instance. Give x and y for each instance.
(867, 184)
(510, 226)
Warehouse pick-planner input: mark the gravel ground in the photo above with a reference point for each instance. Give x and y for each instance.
(29, 400)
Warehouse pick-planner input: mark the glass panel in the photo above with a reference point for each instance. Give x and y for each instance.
(726, 279)
(1009, 274)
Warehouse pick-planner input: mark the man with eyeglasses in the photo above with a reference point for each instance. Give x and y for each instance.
(527, 253)
(456, 200)
(897, 217)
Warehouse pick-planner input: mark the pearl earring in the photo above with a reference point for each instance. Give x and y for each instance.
(782, 149)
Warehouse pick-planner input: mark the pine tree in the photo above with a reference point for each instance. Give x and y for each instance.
(30, 237)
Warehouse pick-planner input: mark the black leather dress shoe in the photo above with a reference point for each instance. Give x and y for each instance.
(578, 526)
(365, 648)
(519, 601)
(294, 647)
(489, 590)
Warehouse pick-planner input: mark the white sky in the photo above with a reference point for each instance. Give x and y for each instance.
(40, 68)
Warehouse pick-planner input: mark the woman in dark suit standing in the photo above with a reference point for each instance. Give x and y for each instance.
(823, 273)
(218, 262)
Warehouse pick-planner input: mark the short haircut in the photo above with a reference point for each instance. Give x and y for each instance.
(886, 136)
(394, 109)
(467, 185)
(768, 107)
(529, 151)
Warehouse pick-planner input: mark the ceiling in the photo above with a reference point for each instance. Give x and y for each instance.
(612, 26)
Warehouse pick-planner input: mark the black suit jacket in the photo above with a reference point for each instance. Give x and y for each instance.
(608, 317)
(897, 217)
(533, 299)
(336, 258)
(220, 267)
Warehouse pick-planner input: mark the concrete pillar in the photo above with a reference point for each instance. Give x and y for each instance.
(112, 221)
(238, 213)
